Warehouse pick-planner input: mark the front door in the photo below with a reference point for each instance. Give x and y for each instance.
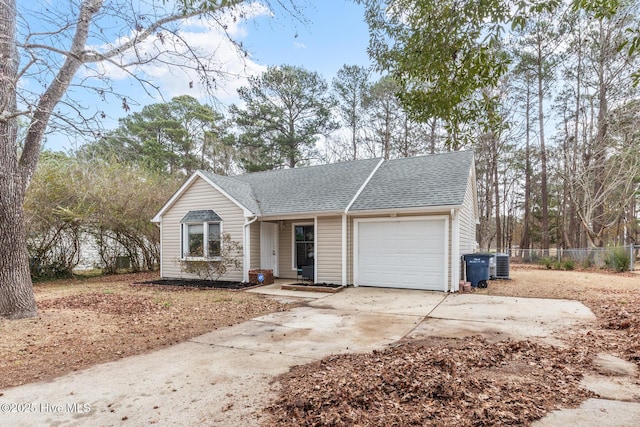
(269, 247)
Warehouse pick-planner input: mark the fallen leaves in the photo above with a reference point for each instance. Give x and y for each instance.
(618, 313)
(469, 382)
(436, 382)
(86, 322)
(107, 303)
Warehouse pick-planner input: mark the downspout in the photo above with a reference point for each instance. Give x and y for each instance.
(344, 249)
(455, 250)
(161, 251)
(246, 252)
(315, 249)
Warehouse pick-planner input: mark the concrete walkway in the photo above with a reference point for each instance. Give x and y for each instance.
(225, 377)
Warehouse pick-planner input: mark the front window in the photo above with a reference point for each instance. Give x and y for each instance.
(195, 240)
(213, 243)
(201, 235)
(304, 246)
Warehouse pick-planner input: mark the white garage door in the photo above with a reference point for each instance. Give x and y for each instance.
(401, 254)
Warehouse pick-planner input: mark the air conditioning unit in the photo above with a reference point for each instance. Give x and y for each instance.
(492, 268)
(502, 266)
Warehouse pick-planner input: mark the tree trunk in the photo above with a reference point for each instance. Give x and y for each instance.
(599, 154)
(525, 241)
(543, 152)
(432, 137)
(496, 190)
(387, 134)
(17, 300)
(574, 223)
(354, 124)
(16, 290)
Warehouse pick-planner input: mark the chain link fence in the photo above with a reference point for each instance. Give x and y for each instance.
(616, 257)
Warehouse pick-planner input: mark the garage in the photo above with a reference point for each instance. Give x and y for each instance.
(401, 252)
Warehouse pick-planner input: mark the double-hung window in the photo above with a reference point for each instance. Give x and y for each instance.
(201, 235)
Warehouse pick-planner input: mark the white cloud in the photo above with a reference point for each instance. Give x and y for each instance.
(211, 40)
(299, 45)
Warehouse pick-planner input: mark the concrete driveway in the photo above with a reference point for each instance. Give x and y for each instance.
(220, 378)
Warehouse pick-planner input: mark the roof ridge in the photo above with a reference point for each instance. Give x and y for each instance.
(371, 159)
(364, 185)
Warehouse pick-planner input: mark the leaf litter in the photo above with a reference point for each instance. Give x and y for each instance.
(469, 382)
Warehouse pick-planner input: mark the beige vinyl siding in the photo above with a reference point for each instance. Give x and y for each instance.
(200, 195)
(255, 245)
(285, 261)
(329, 250)
(468, 221)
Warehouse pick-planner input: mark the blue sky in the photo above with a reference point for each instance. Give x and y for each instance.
(334, 34)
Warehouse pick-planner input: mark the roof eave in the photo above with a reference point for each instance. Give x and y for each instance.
(158, 217)
(411, 210)
(295, 215)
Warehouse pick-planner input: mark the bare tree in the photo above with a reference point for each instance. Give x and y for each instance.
(598, 111)
(98, 37)
(602, 207)
(351, 87)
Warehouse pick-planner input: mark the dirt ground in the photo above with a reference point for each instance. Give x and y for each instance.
(431, 382)
(85, 322)
(613, 297)
(471, 382)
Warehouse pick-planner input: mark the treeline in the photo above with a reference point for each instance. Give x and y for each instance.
(556, 142)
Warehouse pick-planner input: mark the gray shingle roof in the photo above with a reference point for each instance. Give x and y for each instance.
(426, 181)
(240, 191)
(309, 189)
(200, 216)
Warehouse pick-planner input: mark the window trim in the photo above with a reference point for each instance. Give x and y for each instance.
(184, 241)
(294, 266)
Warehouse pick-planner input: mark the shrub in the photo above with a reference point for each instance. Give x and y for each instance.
(215, 269)
(617, 259)
(547, 262)
(49, 270)
(554, 264)
(568, 264)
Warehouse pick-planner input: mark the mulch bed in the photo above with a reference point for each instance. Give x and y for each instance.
(203, 284)
(313, 287)
(318, 285)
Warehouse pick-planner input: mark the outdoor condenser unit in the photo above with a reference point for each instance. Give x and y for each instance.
(492, 268)
(502, 266)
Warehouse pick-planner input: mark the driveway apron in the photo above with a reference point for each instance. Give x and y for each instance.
(225, 377)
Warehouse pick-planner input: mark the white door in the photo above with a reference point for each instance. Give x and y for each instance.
(269, 247)
(402, 253)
